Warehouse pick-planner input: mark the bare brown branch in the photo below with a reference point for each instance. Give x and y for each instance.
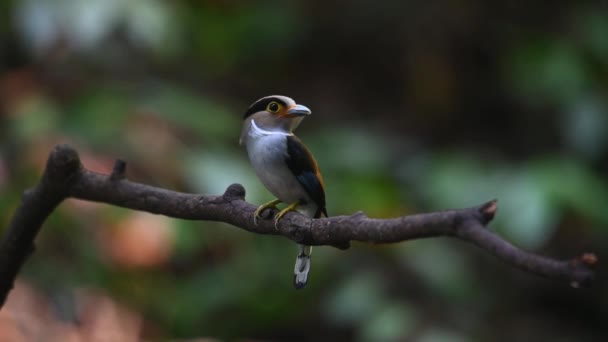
(65, 177)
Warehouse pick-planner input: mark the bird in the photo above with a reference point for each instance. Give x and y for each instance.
(284, 165)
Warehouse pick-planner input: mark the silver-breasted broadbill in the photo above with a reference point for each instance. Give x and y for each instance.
(284, 165)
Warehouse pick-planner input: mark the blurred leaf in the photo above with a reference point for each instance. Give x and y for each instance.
(548, 70)
(444, 269)
(392, 323)
(206, 117)
(84, 25)
(212, 172)
(189, 238)
(436, 334)
(98, 114)
(457, 180)
(569, 183)
(585, 127)
(593, 29)
(36, 117)
(356, 300)
(223, 35)
(355, 162)
(357, 149)
(376, 195)
(152, 24)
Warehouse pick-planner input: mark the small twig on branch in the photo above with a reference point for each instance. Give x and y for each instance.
(65, 177)
(119, 170)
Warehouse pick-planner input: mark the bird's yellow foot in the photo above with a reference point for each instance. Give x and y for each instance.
(291, 207)
(271, 204)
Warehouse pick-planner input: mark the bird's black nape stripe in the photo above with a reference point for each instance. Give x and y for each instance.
(261, 105)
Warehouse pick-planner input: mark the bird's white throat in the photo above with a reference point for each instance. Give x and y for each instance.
(258, 132)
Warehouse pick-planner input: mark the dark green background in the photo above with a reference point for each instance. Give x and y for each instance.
(417, 106)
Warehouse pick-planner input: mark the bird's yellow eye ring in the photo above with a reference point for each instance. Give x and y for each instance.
(273, 107)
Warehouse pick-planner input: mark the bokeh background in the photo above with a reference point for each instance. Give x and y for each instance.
(417, 106)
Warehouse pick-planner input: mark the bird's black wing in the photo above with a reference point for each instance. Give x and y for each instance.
(304, 166)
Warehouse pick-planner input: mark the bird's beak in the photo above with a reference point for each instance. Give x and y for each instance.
(298, 110)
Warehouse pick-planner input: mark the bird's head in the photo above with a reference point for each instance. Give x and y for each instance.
(276, 113)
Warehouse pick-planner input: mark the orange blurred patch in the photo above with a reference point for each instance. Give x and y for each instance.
(27, 316)
(14, 87)
(140, 240)
(102, 319)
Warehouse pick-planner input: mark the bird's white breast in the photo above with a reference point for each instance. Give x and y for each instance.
(267, 152)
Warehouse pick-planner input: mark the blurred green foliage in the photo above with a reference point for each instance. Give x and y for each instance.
(416, 107)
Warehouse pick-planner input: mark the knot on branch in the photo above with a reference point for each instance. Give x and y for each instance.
(487, 211)
(62, 164)
(359, 215)
(583, 270)
(589, 259)
(119, 170)
(233, 192)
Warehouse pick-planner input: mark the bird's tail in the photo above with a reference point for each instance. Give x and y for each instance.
(300, 272)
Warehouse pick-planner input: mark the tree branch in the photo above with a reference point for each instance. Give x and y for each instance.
(65, 177)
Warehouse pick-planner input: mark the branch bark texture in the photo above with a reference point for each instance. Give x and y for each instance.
(65, 177)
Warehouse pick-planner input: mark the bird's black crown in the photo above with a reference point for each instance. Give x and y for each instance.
(261, 105)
